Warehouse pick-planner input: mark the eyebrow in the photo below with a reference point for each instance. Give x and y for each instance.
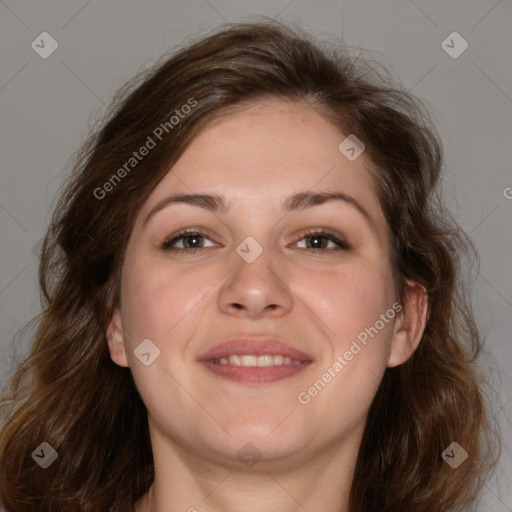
(298, 201)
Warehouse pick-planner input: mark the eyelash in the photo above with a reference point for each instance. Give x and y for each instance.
(320, 233)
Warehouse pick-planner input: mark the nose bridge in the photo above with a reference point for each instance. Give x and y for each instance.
(257, 281)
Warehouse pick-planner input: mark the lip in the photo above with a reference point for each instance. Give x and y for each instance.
(255, 347)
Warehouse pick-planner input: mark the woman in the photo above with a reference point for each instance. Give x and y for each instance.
(252, 300)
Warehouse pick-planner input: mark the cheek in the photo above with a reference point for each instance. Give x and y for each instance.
(347, 301)
(158, 304)
(355, 305)
(156, 299)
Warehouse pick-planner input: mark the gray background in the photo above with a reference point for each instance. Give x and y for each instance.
(48, 107)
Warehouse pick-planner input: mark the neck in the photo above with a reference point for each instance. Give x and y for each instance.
(190, 482)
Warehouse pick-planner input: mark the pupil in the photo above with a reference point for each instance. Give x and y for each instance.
(316, 238)
(194, 237)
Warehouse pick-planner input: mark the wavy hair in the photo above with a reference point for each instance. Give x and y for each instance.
(68, 392)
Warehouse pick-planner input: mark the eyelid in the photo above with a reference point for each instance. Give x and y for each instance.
(335, 237)
(166, 244)
(329, 234)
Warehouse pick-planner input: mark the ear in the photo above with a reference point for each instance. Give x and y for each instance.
(115, 339)
(410, 324)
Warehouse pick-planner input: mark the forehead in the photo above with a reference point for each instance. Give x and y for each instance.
(273, 139)
(260, 154)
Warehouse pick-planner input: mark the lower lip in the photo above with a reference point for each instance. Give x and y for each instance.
(255, 374)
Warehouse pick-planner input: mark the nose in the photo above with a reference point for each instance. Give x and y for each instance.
(256, 289)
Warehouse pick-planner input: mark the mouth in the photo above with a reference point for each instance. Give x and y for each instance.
(252, 360)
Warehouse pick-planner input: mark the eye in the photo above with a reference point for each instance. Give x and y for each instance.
(317, 238)
(190, 240)
(186, 237)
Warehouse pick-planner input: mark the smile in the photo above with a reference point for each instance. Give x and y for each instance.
(255, 370)
(250, 360)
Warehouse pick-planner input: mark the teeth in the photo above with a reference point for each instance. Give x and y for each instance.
(249, 361)
(265, 360)
(235, 360)
(278, 360)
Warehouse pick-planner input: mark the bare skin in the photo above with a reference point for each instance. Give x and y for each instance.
(186, 302)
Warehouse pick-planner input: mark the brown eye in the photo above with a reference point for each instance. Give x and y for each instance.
(319, 240)
(191, 241)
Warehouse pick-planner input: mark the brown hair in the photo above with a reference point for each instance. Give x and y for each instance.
(70, 394)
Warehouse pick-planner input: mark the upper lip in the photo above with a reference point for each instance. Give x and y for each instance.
(256, 347)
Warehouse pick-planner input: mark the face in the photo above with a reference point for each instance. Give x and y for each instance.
(316, 278)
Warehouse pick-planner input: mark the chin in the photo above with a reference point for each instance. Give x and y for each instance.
(273, 437)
